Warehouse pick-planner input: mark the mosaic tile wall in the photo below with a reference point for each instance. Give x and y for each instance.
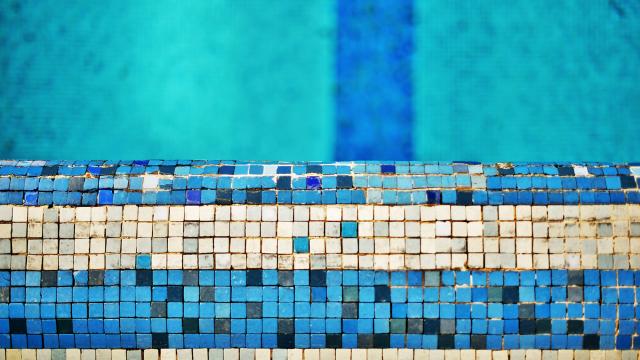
(397, 260)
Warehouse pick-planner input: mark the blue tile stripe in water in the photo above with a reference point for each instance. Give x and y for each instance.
(200, 182)
(374, 107)
(546, 309)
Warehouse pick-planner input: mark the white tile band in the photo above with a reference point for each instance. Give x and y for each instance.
(313, 354)
(319, 237)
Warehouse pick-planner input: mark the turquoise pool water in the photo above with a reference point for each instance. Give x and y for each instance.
(528, 80)
(223, 79)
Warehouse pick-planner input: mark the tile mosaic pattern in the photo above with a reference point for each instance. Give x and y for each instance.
(320, 237)
(353, 260)
(90, 183)
(557, 309)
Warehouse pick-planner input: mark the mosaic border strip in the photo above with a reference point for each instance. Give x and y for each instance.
(90, 183)
(558, 309)
(313, 354)
(320, 237)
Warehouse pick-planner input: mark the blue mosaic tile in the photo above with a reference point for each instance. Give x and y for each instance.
(548, 309)
(194, 183)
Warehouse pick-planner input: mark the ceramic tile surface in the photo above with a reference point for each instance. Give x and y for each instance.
(347, 260)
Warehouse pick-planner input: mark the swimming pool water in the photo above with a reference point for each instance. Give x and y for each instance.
(489, 81)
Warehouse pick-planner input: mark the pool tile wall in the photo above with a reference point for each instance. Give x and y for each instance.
(380, 260)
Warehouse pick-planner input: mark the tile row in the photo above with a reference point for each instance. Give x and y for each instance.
(326, 197)
(272, 213)
(199, 167)
(316, 341)
(313, 354)
(545, 256)
(313, 182)
(477, 278)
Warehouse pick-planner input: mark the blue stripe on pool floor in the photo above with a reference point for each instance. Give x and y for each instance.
(374, 106)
